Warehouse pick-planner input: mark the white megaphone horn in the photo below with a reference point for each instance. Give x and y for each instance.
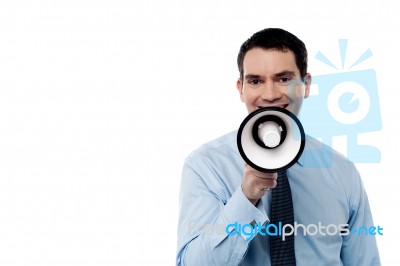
(271, 139)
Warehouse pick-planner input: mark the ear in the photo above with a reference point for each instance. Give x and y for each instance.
(307, 83)
(239, 86)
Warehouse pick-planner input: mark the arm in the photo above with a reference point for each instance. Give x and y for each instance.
(359, 247)
(209, 201)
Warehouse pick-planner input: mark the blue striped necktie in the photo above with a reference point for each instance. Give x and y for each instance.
(282, 252)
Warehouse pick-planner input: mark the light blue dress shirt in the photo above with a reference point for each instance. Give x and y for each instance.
(326, 191)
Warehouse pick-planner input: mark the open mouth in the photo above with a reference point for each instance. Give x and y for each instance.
(280, 106)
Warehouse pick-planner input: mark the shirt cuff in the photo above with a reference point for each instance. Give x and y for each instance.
(240, 211)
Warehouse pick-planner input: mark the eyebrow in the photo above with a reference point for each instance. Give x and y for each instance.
(252, 76)
(284, 73)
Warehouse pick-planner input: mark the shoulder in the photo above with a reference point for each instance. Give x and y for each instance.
(319, 155)
(216, 159)
(216, 166)
(332, 167)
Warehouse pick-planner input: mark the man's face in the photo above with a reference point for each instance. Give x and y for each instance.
(271, 78)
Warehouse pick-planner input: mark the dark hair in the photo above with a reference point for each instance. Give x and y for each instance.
(274, 38)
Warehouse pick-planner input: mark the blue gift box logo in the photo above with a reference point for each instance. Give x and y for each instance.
(347, 103)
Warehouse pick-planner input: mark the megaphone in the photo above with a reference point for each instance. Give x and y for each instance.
(271, 139)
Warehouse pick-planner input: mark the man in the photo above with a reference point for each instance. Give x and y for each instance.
(221, 196)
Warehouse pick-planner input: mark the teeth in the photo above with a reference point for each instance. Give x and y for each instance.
(281, 106)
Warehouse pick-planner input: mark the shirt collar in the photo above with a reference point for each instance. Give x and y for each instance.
(301, 159)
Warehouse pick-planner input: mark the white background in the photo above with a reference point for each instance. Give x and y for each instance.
(100, 102)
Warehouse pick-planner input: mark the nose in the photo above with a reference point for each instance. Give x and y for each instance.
(270, 92)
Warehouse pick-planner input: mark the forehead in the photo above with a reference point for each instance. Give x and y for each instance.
(263, 62)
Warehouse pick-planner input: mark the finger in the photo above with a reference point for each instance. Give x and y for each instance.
(266, 183)
(271, 176)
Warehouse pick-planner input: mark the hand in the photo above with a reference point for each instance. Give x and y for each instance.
(255, 183)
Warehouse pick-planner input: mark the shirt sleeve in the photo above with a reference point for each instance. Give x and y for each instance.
(359, 246)
(206, 209)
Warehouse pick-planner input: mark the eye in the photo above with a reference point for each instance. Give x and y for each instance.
(284, 80)
(254, 81)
